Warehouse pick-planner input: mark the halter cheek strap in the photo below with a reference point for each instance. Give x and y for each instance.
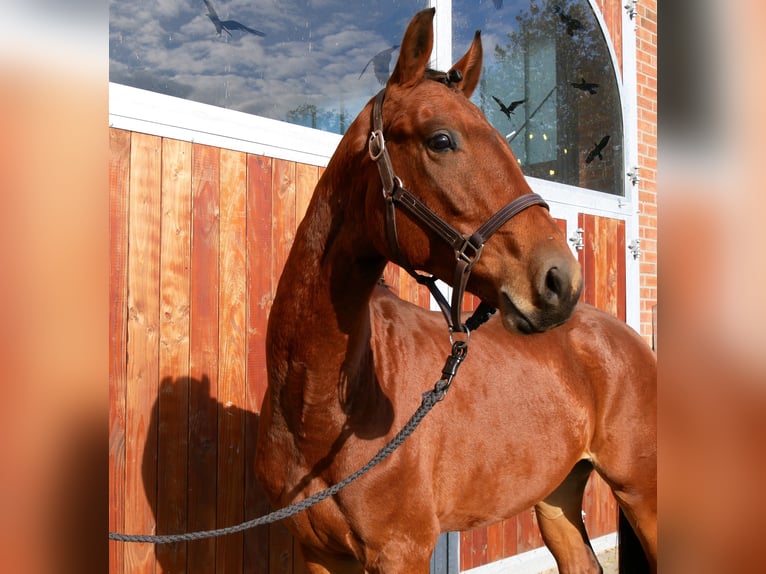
(467, 248)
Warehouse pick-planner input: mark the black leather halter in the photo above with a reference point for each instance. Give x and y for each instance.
(467, 248)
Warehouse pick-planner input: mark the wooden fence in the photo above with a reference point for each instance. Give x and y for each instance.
(198, 238)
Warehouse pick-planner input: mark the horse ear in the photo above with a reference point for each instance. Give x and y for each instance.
(470, 66)
(415, 49)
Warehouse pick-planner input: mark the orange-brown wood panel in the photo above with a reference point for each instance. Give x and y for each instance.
(527, 532)
(479, 547)
(173, 397)
(306, 177)
(495, 542)
(204, 353)
(142, 348)
(232, 362)
(620, 248)
(283, 232)
(391, 277)
(119, 172)
(260, 294)
(587, 261)
(199, 237)
(283, 209)
(603, 262)
(510, 537)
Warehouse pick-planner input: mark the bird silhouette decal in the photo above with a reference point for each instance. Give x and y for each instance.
(572, 24)
(508, 110)
(380, 64)
(227, 25)
(589, 87)
(597, 149)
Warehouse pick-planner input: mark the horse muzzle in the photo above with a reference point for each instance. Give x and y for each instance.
(549, 300)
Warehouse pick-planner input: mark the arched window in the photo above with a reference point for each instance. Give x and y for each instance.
(303, 62)
(549, 86)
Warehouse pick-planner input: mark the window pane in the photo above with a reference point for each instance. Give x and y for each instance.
(300, 61)
(549, 86)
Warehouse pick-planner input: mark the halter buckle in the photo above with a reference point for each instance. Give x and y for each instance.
(376, 140)
(468, 252)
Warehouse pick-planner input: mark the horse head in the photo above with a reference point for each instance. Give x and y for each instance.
(443, 149)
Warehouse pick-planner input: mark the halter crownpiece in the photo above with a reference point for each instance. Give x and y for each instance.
(467, 248)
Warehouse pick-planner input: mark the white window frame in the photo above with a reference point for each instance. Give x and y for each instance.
(167, 116)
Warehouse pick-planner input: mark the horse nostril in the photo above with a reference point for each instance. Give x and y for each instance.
(554, 283)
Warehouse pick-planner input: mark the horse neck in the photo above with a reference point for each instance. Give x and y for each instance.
(320, 326)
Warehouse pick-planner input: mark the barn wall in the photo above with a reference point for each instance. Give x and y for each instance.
(198, 239)
(199, 236)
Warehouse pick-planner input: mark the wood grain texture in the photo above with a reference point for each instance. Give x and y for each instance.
(260, 295)
(204, 353)
(306, 177)
(173, 398)
(143, 346)
(232, 329)
(119, 173)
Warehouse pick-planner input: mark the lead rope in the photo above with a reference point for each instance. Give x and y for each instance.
(430, 398)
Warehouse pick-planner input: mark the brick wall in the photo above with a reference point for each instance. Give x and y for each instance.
(646, 70)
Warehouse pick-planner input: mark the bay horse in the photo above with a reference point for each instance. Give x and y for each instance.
(550, 390)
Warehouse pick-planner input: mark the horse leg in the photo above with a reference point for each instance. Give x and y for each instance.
(318, 562)
(640, 508)
(559, 518)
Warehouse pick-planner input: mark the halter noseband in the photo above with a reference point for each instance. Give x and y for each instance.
(467, 248)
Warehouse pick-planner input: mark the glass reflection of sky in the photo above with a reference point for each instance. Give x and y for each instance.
(532, 53)
(306, 69)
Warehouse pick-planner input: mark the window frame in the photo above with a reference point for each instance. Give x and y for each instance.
(143, 111)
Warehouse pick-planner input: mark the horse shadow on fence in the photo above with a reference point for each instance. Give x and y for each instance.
(198, 474)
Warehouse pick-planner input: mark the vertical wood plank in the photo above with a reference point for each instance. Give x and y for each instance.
(203, 359)
(232, 362)
(620, 253)
(528, 533)
(119, 172)
(510, 537)
(143, 347)
(466, 547)
(479, 547)
(494, 542)
(601, 286)
(260, 296)
(283, 233)
(391, 278)
(283, 210)
(306, 177)
(586, 256)
(173, 399)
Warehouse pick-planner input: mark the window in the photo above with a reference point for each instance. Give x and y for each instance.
(548, 83)
(309, 63)
(549, 86)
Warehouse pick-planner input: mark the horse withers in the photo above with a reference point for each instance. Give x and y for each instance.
(534, 408)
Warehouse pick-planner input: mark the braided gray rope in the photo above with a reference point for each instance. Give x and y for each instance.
(430, 398)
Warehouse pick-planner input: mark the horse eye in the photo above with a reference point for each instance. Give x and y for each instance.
(441, 142)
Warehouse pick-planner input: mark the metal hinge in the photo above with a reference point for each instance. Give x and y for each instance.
(635, 248)
(576, 239)
(633, 176)
(630, 8)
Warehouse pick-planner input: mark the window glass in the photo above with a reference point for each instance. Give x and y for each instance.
(549, 86)
(309, 62)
